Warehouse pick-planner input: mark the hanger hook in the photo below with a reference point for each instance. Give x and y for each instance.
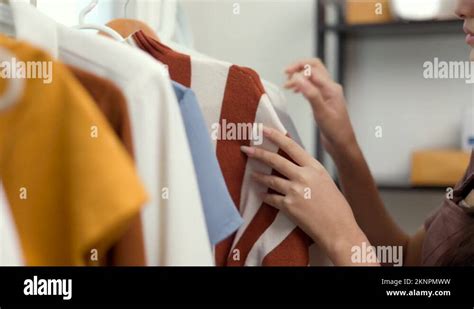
(125, 7)
(87, 10)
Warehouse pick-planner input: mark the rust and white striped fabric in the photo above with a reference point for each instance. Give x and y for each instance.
(232, 94)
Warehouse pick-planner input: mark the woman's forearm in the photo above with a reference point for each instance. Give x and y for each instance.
(341, 251)
(330, 113)
(362, 194)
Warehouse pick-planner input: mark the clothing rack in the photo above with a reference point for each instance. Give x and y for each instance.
(156, 141)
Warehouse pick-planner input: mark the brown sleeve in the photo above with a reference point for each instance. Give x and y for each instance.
(130, 250)
(111, 102)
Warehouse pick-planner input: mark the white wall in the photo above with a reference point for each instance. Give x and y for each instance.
(267, 36)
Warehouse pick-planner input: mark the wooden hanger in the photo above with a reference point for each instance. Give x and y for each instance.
(126, 27)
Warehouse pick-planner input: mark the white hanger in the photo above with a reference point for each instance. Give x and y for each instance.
(125, 7)
(82, 25)
(15, 86)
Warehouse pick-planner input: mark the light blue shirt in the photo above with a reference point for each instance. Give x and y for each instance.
(222, 217)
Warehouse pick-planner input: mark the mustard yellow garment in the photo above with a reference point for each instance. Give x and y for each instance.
(81, 189)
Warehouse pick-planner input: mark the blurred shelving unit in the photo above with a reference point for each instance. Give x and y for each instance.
(397, 28)
(331, 22)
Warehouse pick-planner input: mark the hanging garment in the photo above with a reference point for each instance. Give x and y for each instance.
(10, 248)
(280, 105)
(72, 193)
(222, 217)
(130, 249)
(174, 224)
(230, 94)
(111, 101)
(276, 96)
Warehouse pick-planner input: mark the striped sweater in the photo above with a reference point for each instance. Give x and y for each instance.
(230, 94)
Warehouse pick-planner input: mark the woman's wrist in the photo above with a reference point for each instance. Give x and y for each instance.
(341, 249)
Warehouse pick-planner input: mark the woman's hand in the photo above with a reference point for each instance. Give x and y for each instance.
(309, 197)
(312, 79)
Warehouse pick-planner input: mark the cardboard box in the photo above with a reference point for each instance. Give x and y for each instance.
(438, 167)
(368, 11)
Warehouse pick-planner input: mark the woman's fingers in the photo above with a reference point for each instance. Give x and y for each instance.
(311, 92)
(274, 160)
(312, 69)
(274, 200)
(307, 64)
(273, 182)
(289, 146)
(321, 81)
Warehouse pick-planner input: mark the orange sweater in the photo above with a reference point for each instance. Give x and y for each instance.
(70, 183)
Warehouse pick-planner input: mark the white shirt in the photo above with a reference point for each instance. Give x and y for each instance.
(174, 224)
(10, 248)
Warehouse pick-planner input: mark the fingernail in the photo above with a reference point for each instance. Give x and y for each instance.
(247, 150)
(267, 131)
